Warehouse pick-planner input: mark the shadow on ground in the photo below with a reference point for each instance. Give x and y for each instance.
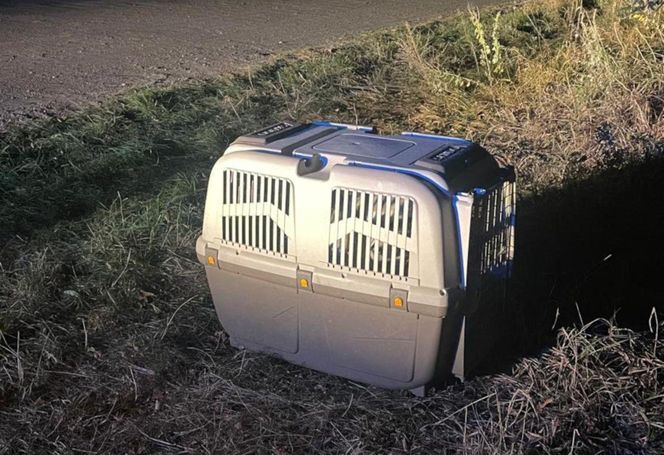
(592, 249)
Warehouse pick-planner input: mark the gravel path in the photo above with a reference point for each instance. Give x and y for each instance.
(60, 54)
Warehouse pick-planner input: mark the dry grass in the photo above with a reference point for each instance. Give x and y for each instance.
(594, 73)
(108, 338)
(599, 389)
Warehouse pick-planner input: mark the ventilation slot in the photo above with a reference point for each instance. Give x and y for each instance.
(371, 232)
(494, 217)
(256, 211)
(492, 242)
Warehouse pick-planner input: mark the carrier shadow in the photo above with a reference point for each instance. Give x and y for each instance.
(592, 249)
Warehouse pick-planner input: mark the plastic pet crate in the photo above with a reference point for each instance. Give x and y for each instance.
(358, 254)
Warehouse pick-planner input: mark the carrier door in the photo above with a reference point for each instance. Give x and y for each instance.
(249, 229)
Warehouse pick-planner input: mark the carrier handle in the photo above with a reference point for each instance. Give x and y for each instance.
(310, 165)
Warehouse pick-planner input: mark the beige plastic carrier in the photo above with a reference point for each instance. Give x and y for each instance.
(356, 254)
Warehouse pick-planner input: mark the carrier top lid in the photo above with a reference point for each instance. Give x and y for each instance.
(462, 163)
(365, 145)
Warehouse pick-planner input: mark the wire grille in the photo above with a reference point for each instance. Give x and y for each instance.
(492, 241)
(256, 211)
(372, 232)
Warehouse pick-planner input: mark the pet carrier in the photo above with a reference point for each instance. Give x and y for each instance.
(357, 254)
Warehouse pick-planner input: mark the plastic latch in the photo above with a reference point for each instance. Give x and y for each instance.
(399, 299)
(211, 257)
(304, 281)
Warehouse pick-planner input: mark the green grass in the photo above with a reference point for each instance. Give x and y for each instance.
(108, 338)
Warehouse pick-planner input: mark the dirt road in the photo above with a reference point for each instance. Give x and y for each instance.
(56, 55)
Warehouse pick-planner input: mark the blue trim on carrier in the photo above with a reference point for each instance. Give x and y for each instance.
(462, 262)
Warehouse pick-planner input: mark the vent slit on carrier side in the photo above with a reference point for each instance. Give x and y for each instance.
(371, 232)
(491, 248)
(256, 211)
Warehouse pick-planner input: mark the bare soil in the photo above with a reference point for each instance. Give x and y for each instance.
(57, 55)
